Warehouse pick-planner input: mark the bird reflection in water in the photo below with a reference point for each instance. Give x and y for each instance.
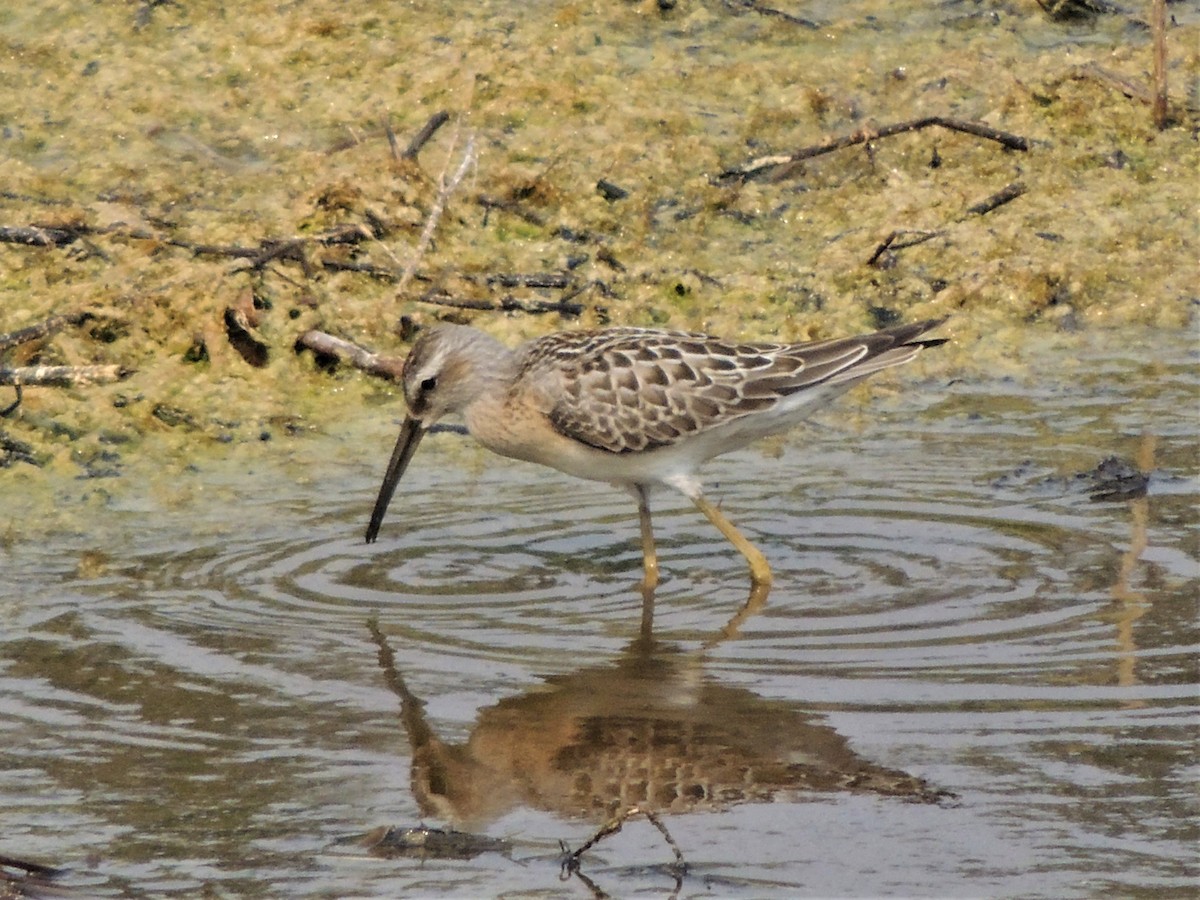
(650, 730)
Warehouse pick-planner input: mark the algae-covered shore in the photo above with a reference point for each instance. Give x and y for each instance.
(209, 184)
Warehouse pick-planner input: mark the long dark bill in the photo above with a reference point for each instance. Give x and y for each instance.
(411, 433)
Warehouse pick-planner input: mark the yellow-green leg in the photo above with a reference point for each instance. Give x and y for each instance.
(649, 553)
(760, 572)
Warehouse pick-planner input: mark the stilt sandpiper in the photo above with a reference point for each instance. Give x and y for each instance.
(636, 407)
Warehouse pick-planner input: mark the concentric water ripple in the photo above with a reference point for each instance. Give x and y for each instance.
(200, 700)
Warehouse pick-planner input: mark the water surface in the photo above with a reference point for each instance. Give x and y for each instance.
(971, 678)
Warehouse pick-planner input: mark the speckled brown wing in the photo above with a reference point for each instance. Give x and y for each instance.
(632, 389)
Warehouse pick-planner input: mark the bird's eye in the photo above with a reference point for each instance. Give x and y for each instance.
(428, 385)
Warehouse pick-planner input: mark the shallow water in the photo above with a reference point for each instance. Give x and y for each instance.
(194, 698)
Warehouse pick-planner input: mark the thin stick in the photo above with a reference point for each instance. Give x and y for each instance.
(1158, 23)
(446, 189)
(550, 280)
(12, 450)
(884, 255)
(762, 10)
(901, 238)
(42, 329)
(1134, 90)
(384, 273)
(1006, 194)
(778, 167)
(286, 248)
(563, 307)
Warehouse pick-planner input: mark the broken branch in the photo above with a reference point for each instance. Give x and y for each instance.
(330, 347)
(62, 376)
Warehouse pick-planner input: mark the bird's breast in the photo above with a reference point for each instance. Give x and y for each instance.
(521, 431)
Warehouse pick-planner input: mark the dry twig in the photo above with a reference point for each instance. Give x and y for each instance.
(393, 141)
(42, 329)
(445, 189)
(775, 168)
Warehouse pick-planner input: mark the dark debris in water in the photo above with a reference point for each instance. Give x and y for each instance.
(173, 416)
(391, 842)
(1115, 479)
(14, 451)
(1062, 10)
(99, 463)
(22, 878)
(571, 861)
(1112, 479)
